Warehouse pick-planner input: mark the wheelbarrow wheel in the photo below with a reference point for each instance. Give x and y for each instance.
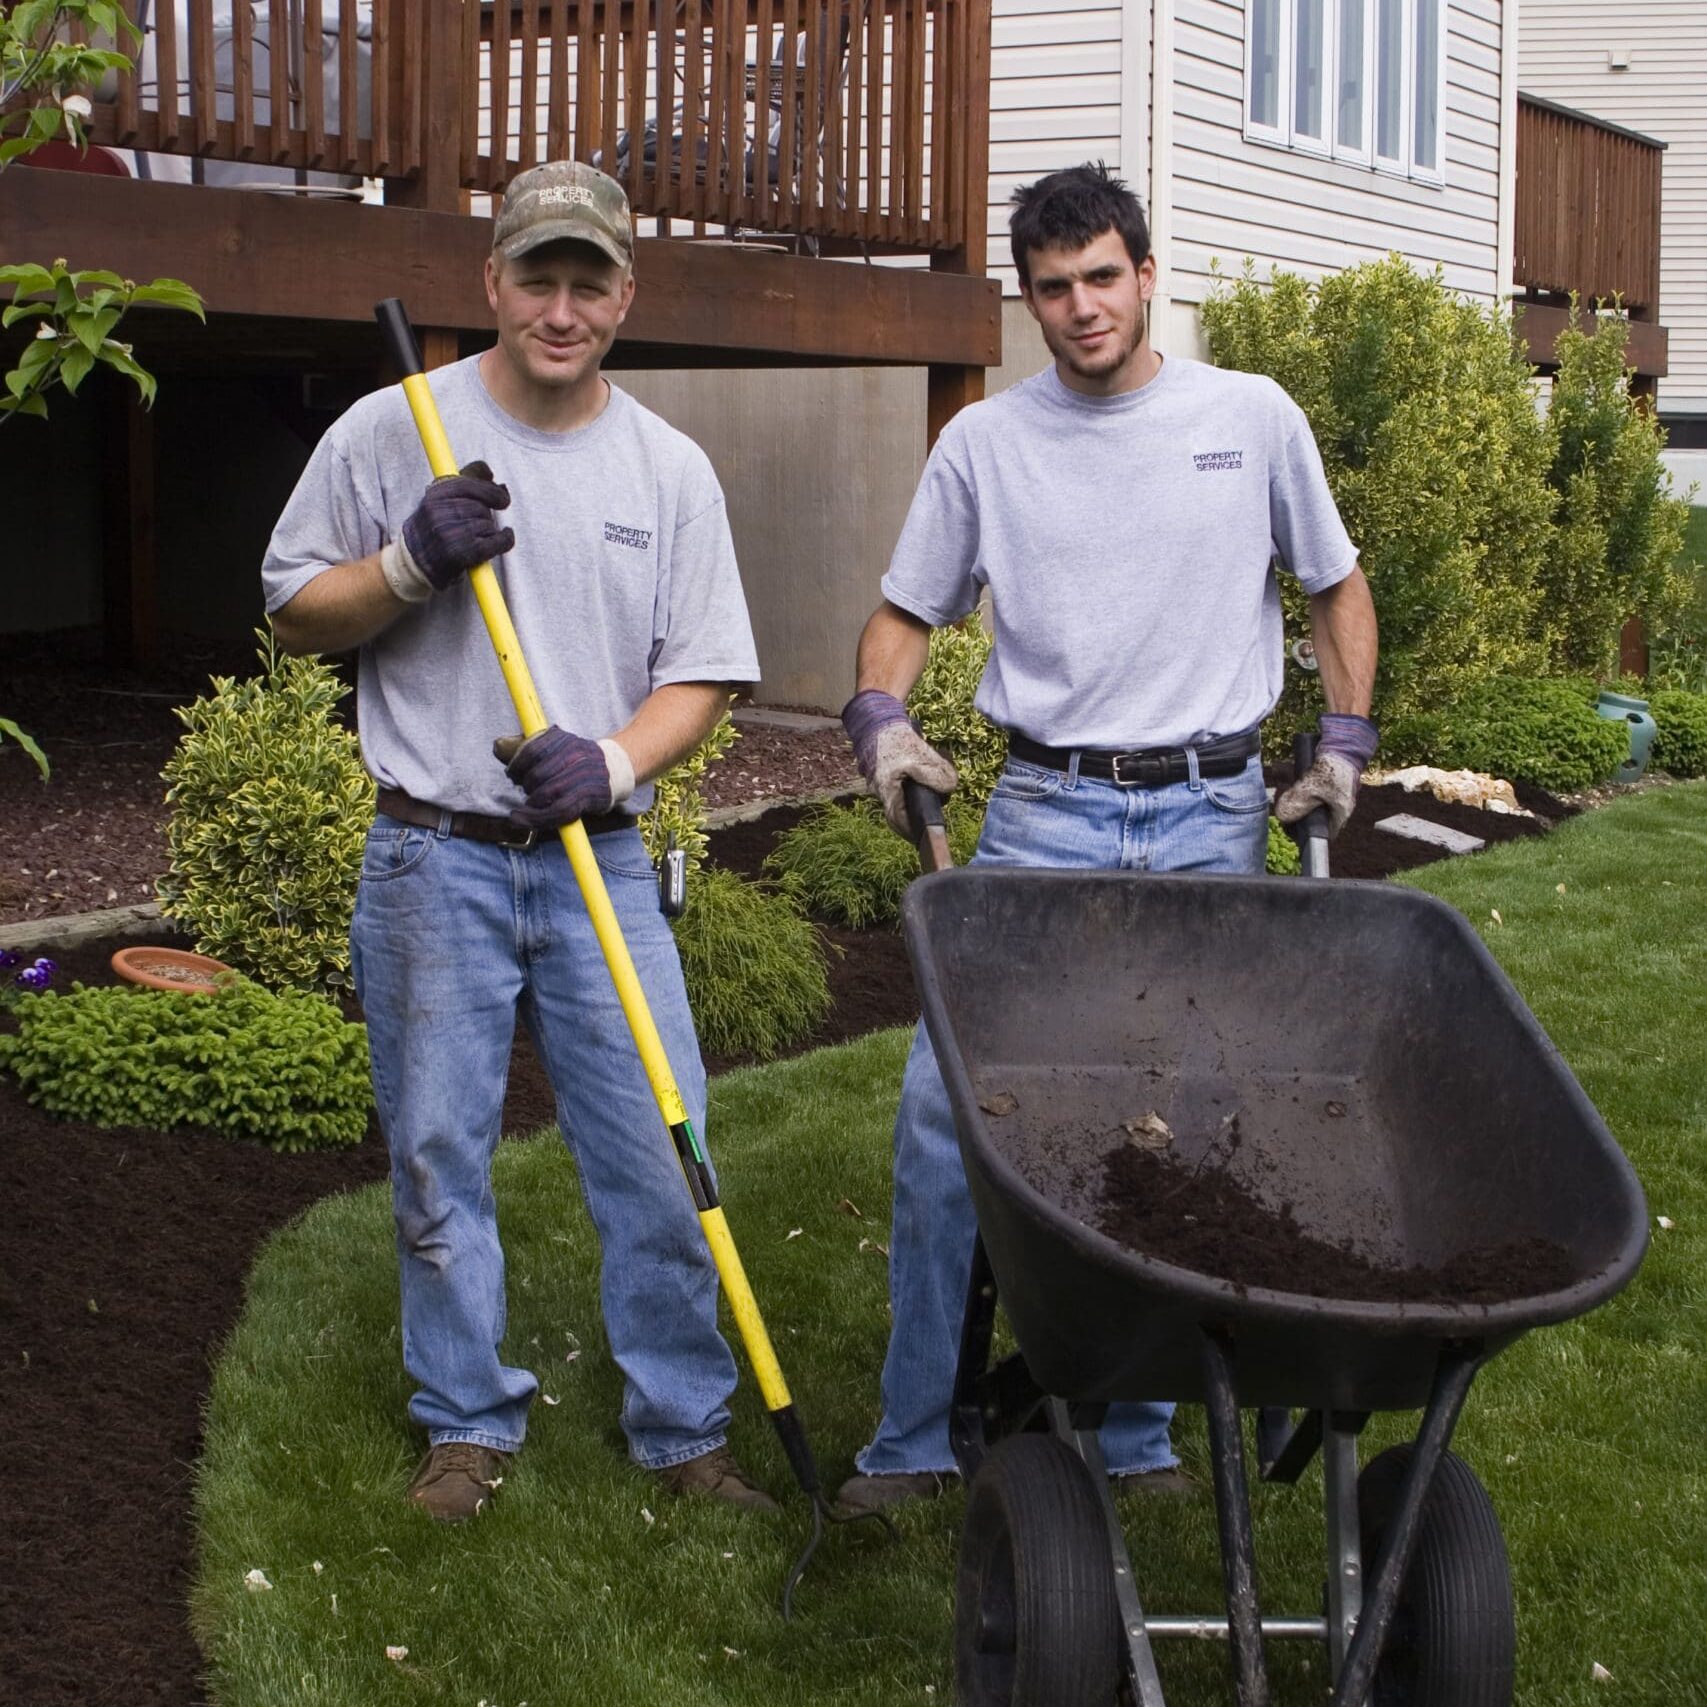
(1453, 1639)
(1036, 1619)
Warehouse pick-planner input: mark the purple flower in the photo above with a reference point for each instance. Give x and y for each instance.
(48, 966)
(36, 977)
(8, 959)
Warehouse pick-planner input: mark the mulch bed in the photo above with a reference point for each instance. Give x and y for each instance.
(125, 1251)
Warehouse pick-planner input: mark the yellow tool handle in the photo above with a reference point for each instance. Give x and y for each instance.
(744, 1306)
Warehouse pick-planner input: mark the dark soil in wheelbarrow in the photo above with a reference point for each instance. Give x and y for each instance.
(1199, 1219)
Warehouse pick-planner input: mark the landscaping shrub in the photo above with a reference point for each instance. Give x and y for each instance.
(270, 810)
(1677, 645)
(1618, 534)
(844, 864)
(754, 966)
(285, 1070)
(678, 803)
(1426, 420)
(1680, 740)
(941, 703)
(1541, 731)
(1283, 859)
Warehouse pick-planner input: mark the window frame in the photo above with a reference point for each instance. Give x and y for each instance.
(1359, 150)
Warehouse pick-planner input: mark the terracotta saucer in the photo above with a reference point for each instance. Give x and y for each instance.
(170, 969)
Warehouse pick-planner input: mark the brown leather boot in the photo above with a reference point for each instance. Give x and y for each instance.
(861, 1495)
(716, 1475)
(457, 1480)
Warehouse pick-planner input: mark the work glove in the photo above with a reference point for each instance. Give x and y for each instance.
(1345, 745)
(889, 750)
(564, 776)
(453, 529)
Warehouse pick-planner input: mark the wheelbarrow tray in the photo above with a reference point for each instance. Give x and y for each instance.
(1392, 1089)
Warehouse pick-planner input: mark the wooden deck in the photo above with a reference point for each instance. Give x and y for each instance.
(1588, 223)
(780, 149)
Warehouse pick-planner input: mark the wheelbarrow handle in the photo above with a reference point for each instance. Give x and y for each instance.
(926, 825)
(1311, 831)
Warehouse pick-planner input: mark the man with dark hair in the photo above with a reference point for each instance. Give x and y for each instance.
(613, 549)
(1124, 513)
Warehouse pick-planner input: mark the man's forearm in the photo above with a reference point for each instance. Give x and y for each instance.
(1345, 634)
(671, 722)
(893, 650)
(338, 610)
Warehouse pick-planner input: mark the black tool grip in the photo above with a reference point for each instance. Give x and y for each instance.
(399, 335)
(926, 826)
(792, 1433)
(924, 807)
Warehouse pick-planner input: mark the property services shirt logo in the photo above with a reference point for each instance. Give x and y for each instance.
(1212, 461)
(637, 539)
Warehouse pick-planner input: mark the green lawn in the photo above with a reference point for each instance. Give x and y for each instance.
(584, 1586)
(1695, 537)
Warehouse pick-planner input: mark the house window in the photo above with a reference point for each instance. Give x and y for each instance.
(1362, 80)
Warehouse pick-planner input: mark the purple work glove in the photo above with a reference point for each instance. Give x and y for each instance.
(1345, 746)
(452, 530)
(564, 776)
(889, 750)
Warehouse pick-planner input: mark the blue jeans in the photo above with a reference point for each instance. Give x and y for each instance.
(1036, 817)
(451, 937)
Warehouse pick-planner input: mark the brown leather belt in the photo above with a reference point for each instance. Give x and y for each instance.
(482, 827)
(1151, 767)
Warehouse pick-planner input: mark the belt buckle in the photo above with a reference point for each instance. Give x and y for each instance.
(528, 839)
(1149, 770)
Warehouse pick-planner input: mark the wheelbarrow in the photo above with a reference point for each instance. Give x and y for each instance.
(1400, 1099)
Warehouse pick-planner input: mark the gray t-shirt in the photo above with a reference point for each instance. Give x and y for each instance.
(1127, 544)
(623, 580)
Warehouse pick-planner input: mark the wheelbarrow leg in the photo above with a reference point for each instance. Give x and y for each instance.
(1453, 1375)
(1233, 1518)
(1138, 1657)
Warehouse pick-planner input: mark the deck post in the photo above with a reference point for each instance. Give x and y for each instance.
(950, 388)
(438, 182)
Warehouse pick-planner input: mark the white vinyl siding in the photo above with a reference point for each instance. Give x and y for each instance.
(1055, 99)
(1562, 55)
(1235, 197)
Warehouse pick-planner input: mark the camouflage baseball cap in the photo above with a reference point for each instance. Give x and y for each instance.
(560, 201)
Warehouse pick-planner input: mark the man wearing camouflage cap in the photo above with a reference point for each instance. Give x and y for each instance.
(607, 530)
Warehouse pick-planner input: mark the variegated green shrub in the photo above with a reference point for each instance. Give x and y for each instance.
(1425, 415)
(269, 811)
(941, 704)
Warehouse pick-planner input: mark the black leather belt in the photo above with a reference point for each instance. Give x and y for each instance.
(482, 827)
(1151, 767)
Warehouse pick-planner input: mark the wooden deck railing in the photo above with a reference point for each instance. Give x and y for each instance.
(1588, 208)
(851, 121)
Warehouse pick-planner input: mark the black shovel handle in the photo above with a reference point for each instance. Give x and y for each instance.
(1311, 831)
(399, 335)
(926, 826)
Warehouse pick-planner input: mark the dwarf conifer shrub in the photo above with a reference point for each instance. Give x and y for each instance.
(270, 808)
(941, 704)
(285, 1070)
(1680, 740)
(1540, 731)
(754, 966)
(847, 867)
